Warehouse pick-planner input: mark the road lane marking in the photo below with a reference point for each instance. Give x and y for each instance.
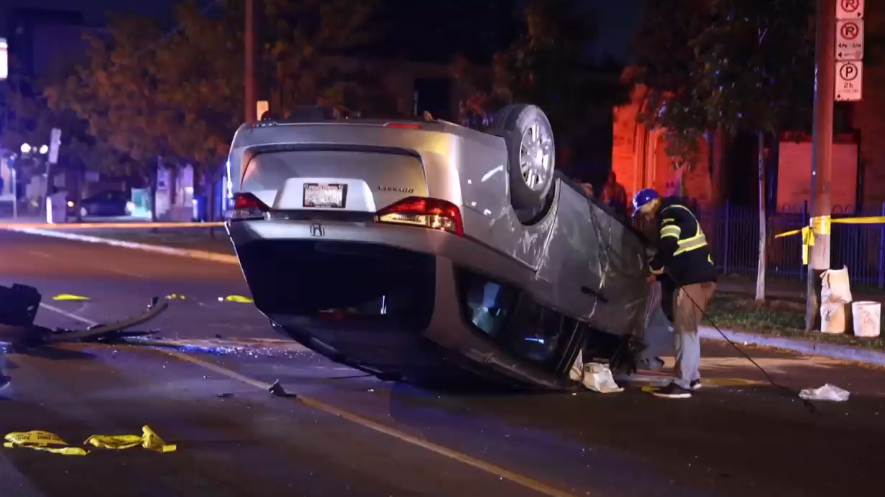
(391, 432)
(127, 273)
(661, 380)
(39, 253)
(144, 247)
(498, 471)
(86, 321)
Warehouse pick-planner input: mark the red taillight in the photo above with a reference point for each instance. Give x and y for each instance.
(248, 206)
(425, 212)
(402, 126)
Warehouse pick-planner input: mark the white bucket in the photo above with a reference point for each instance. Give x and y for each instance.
(832, 318)
(866, 318)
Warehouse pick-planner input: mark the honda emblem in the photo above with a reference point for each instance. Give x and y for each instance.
(317, 230)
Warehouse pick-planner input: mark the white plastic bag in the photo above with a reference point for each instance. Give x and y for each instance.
(576, 373)
(598, 377)
(826, 392)
(835, 287)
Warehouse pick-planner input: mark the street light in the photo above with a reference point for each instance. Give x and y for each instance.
(44, 149)
(26, 148)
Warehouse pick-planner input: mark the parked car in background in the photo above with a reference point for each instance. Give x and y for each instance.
(105, 204)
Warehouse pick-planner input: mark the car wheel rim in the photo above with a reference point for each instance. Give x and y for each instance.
(535, 154)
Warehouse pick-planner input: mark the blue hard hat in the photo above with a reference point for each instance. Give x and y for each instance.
(643, 197)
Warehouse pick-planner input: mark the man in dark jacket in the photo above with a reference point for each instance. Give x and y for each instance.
(684, 266)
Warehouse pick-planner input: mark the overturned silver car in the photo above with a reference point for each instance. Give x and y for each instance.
(425, 250)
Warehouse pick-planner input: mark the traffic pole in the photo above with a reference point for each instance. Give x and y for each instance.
(822, 150)
(251, 46)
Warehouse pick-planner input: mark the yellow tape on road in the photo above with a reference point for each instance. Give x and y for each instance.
(236, 298)
(822, 225)
(176, 296)
(68, 296)
(50, 442)
(41, 440)
(148, 439)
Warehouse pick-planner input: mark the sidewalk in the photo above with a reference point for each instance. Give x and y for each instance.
(784, 289)
(808, 347)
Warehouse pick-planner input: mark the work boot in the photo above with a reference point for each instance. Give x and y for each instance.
(4, 381)
(673, 391)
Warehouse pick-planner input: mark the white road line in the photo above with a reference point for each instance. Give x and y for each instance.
(191, 253)
(86, 321)
(127, 273)
(41, 254)
(501, 473)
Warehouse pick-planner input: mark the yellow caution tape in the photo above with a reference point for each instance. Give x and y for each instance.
(50, 442)
(649, 389)
(239, 299)
(68, 296)
(41, 440)
(176, 296)
(821, 225)
(148, 439)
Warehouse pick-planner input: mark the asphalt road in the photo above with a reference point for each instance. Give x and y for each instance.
(348, 434)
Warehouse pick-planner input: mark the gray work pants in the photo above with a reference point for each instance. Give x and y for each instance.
(686, 307)
(688, 357)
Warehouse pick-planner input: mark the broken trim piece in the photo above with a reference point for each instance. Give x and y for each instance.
(34, 335)
(155, 308)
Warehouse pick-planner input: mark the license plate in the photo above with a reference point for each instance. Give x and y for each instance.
(331, 196)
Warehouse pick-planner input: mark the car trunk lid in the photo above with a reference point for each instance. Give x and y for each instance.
(354, 179)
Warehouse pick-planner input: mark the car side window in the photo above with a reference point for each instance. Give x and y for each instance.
(514, 321)
(487, 304)
(536, 332)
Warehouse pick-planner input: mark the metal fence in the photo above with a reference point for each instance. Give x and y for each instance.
(734, 234)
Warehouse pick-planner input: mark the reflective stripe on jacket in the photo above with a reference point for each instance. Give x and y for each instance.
(683, 252)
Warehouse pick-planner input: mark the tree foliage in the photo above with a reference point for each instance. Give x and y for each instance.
(29, 120)
(178, 96)
(302, 40)
(117, 92)
(756, 65)
(745, 65)
(549, 65)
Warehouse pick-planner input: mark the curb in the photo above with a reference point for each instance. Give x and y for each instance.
(144, 247)
(840, 352)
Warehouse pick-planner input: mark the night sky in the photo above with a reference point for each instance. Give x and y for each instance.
(616, 18)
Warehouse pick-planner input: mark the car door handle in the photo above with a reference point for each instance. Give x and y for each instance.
(589, 291)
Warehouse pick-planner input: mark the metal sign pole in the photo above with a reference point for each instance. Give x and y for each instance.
(14, 193)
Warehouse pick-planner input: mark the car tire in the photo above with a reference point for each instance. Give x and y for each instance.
(531, 154)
